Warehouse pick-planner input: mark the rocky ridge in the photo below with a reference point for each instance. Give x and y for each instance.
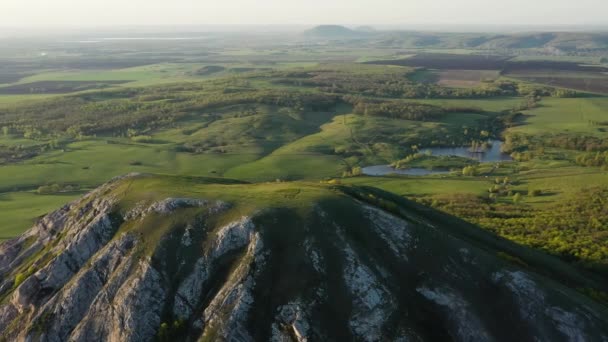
(84, 273)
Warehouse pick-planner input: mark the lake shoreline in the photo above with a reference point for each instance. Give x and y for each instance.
(489, 155)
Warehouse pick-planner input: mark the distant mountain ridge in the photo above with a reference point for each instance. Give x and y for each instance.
(556, 41)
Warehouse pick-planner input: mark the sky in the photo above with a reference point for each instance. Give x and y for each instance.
(91, 13)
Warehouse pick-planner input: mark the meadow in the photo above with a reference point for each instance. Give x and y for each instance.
(570, 115)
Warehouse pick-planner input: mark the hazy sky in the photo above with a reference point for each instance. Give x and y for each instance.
(303, 12)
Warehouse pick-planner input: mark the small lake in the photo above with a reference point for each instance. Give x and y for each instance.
(492, 154)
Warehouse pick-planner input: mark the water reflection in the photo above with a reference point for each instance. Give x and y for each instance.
(491, 154)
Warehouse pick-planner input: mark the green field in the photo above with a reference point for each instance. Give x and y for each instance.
(21, 209)
(281, 112)
(566, 116)
(274, 144)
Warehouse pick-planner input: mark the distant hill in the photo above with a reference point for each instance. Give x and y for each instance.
(550, 42)
(368, 29)
(332, 31)
(558, 42)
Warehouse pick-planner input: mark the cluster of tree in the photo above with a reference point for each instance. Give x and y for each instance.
(507, 119)
(396, 109)
(399, 109)
(502, 188)
(529, 102)
(112, 114)
(396, 84)
(470, 171)
(56, 188)
(576, 142)
(352, 172)
(403, 163)
(342, 79)
(523, 156)
(533, 91)
(426, 160)
(15, 153)
(517, 142)
(593, 159)
(524, 147)
(574, 229)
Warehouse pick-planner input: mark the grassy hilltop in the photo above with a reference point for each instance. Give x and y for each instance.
(208, 258)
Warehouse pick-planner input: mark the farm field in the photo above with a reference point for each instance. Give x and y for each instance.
(466, 78)
(450, 61)
(56, 87)
(470, 70)
(21, 209)
(591, 83)
(455, 78)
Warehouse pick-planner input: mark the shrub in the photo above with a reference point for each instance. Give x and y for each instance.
(469, 171)
(171, 332)
(19, 278)
(517, 198)
(354, 172)
(48, 189)
(55, 188)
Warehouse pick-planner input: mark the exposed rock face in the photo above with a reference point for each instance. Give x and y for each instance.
(169, 205)
(233, 236)
(291, 318)
(229, 309)
(372, 302)
(190, 269)
(465, 325)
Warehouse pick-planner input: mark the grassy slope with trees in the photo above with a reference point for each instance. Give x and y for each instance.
(317, 122)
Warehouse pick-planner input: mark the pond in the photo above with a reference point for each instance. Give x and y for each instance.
(492, 154)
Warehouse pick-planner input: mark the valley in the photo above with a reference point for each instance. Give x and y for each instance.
(493, 144)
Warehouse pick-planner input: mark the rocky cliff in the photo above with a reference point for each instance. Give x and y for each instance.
(147, 258)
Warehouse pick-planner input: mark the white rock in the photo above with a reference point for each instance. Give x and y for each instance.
(372, 302)
(393, 230)
(467, 326)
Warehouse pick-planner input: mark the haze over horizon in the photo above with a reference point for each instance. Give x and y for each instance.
(98, 13)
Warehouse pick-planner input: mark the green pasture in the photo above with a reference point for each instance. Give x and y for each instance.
(566, 115)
